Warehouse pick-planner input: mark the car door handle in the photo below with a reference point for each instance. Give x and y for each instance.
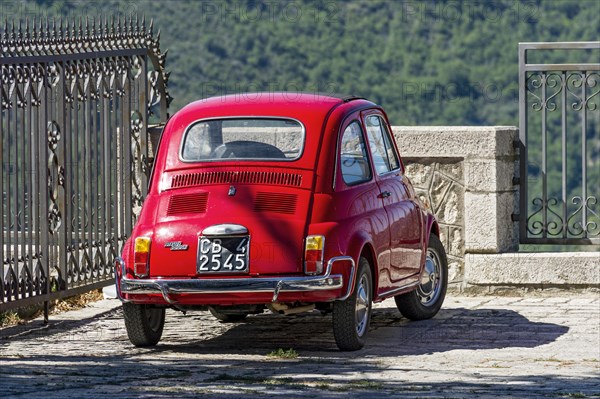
(384, 194)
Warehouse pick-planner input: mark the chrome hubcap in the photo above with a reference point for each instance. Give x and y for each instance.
(362, 306)
(430, 287)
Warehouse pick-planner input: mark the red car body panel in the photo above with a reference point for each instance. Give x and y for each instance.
(280, 203)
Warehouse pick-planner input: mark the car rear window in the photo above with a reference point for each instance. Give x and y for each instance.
(243, 139)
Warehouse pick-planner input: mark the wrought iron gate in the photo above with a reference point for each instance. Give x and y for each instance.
(77, 99)
(559, 123)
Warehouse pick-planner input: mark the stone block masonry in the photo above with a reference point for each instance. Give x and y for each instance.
(466, 176)
(441, 187)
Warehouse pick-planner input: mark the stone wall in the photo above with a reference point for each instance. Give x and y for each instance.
(440, 185)
(465, 175)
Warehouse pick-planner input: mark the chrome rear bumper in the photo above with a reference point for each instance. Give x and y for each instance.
(276, 285)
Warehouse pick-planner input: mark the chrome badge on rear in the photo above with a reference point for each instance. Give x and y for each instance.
(176, 246)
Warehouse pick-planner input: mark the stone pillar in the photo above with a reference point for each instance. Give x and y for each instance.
(490, 195)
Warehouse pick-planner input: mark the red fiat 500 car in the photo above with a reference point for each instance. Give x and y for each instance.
(281, 201)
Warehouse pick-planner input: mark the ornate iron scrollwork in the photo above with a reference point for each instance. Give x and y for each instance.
(558, 106)
(575, 225)
(79, 94)
(592, 80)
(55, 177)
(554, 223)
(542, 81)
(137, 123)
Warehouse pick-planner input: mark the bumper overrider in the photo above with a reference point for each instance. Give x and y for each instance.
(276, 285)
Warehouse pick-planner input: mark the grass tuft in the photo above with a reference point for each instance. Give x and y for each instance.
(283, 354)
(27, 313)
(573, 395)
(9, 318)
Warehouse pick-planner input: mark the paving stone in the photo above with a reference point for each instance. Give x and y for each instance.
(477, 347)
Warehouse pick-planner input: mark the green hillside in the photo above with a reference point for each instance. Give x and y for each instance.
(427, 63)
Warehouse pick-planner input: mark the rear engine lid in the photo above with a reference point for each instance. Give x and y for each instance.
(272, 205)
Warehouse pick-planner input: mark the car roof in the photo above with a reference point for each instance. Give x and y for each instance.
(315, 102)
(311, 109)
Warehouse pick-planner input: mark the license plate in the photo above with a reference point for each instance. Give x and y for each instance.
(223, 254)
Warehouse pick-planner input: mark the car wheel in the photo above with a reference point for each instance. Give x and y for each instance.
(144, 323)
(351, 317)
(424, 302)
(227, 317)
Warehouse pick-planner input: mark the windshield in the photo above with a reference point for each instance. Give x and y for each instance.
(243, 138)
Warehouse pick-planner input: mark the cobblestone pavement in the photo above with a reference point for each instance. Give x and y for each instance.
(476, 347)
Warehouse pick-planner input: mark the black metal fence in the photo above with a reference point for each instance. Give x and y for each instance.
(77, 100)
(559, 122)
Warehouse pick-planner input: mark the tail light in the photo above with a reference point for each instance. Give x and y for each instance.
(141, 257)
(313, 254)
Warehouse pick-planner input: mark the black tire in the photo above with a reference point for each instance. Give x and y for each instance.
(144, 323)
(227, 317)
(425, 302)
(351, 317)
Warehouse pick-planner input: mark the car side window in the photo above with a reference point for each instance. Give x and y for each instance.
(354, 161)
(389, 146)
(384, 154)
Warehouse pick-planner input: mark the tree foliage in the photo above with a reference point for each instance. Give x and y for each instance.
(427, 62)
(444, 62)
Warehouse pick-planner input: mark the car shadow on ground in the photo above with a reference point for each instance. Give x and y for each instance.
(118, 377)
(199, 355)
(390, 335)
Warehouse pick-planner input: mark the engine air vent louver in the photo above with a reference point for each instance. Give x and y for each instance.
(187, 203)
(230, 177)
(275, 202)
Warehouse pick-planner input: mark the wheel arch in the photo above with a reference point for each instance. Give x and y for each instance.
(431, 227)
(361, 245)
(368, 252)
